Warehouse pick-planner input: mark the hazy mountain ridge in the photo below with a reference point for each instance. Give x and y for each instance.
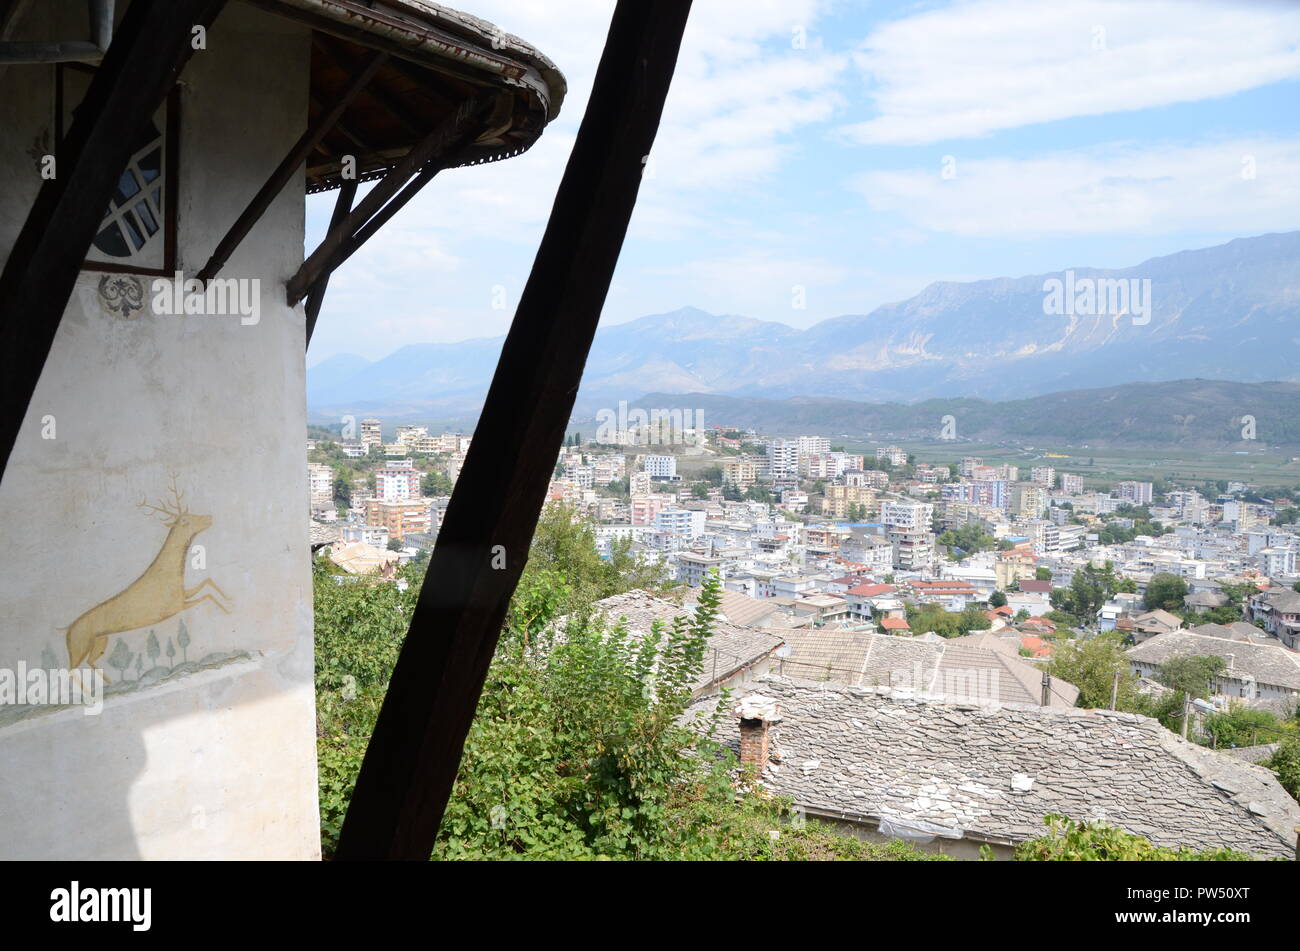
(1230, 311)
(1190, 413)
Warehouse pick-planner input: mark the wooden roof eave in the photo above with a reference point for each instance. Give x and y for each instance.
(445, 40)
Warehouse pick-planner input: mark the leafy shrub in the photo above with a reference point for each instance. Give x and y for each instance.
(1071, 841)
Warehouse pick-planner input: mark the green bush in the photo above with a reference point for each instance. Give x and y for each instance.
(1071, 841)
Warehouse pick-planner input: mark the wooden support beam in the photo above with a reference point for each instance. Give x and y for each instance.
(351, 244)
(414, 754)
(288, 167)
(342, 205)
(148, 52)
(447, 138)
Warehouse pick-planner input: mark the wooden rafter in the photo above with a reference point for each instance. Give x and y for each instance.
(388, 103)
(150, 48)
(414, 753)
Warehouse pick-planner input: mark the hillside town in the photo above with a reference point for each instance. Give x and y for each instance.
(917, 585)
(818, 538)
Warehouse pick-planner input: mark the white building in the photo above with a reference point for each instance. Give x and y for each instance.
(660, 467)
(320, 482)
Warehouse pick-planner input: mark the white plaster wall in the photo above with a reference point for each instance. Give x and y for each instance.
(220, 762)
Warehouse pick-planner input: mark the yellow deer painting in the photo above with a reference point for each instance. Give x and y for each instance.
(155, 596)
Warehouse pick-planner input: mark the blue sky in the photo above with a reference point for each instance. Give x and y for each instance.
(862, 150)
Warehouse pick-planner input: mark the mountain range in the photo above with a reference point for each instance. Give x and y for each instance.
(1186, 413)
(1229, 312)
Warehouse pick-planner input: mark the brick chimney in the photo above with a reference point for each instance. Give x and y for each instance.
(757, 715)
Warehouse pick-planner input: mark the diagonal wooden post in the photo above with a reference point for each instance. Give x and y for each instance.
(414, 754)
(316, 296)
(288, 168)
(148, 52)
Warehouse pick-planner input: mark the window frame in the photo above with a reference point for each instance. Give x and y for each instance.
(171, 177)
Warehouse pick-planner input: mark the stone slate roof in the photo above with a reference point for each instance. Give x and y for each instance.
(742, 609)
(1267, 663)
(322, 534)
(980, 667)
(732, 647)
(1236, 631)
(867, 753)
(1283, 600)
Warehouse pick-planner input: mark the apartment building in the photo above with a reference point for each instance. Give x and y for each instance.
(1028, 500)
(906, 516)
(372, 433)
(408, 435)
(740, 473)
(1071, 484)
(813, 445)
(693, 568)
(1139, 493)
(659, 467)
(891, 454)
(400, 517)
(646, 506)
(398, 481)
(872, 478)
(839, 499)
(688, 523)
(783, 457)
(1043, 475)
(320, 482)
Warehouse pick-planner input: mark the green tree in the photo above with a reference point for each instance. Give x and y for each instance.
(1191, 675)
(183, 638)
(342, 489)
(1286, 764)
(997, 600)
(435, 483)
(1239, 726)
(171, 653)
(153, 648)
(1092, 665)
(1042, 574)
(1165, 591)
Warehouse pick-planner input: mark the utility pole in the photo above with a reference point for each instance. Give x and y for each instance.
(1187, 712)
(1047, 688)
(1114, 691)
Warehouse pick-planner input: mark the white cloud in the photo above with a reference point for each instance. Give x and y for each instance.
(981, 66)
(1111, 190)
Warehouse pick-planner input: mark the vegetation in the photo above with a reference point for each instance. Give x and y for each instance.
(1089, 589)
(1165, 591)
(931, 617)
(1093, 665)
(965, 541)
(1097, 841)
(578, 749)
(1286, 764)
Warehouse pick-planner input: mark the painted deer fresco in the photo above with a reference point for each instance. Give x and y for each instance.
(158, 594)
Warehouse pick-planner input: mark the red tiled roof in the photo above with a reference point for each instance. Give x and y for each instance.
(1036, 646)
(895, 624)
(871, 590)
